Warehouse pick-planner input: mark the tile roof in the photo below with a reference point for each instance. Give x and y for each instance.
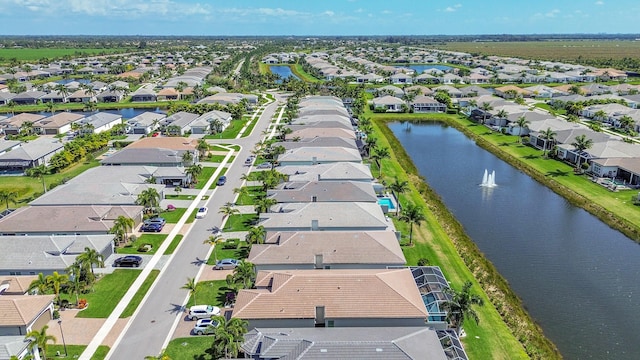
(329, 216)
(22, 310)
(324, 191)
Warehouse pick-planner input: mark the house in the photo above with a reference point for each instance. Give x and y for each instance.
(21, 314)
(334, 298)
(230, 98)
(83, 96)
(318, 142)
(110, 95)
(382, 343)
(370, 78)
(55, 97)
(13, 125)
(30, 154)
(15, 284)
(323, 191)
(422, 104)
(45, 254)
(388, 103)
(178, 124)
(59, 123)
(99, 122)
(157, 152)
(319, 155)
(401, 78)
(328, 172)
(453, 92)
(145, 123)
(213, 121)
(143, 94)
(511, 91)
(168, 94)
(390, 90)
(5, 97)
(624, 169)
(291, 250)
(8, 145)
(28, 97)
(323, 216)
(601, 149)
(314, 132)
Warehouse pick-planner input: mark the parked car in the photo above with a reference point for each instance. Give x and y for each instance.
(264, 165)
(152, 227)
(221, 180)
(226, 264)
(128, 261)
(156, 220)
(202, 212)
(205, 327)
(203, 312)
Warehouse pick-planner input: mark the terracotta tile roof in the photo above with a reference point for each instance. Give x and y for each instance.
(294, 294)
(17, 284)
(22, 310)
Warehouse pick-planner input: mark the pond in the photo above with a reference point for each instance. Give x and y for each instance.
(283, 71)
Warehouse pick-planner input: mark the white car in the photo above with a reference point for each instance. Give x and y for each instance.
(202, 212)
(203, 312)
(205, 327)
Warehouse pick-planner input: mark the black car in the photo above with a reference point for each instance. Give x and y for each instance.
(221, 180)
(128, 261)
(152, 227)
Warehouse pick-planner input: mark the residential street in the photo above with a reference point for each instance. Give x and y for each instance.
(153, 325)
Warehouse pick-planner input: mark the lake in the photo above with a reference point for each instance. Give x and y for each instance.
(420, 68)
(283, 71)
(576, 276)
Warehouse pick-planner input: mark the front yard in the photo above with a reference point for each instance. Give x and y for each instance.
(155, 240)
(106, 293)
(240, 222)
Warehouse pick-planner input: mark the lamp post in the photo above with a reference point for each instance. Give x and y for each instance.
(63, 342)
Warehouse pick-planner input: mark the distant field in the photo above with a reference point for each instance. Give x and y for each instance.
(27, 54)
(576, 51)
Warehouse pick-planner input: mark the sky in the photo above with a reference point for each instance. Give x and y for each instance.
(316, 17)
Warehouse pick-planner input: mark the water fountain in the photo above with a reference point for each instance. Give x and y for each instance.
(489, 180)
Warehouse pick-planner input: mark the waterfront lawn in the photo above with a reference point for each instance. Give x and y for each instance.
(492, 339)
(154, 239)
(240, 222)
(107, 292)
(210, 293)
(188, 348)
(137, 298)
(174, 244)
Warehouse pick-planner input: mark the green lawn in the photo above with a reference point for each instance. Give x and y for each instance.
(216, 158)
(137, 298)
(240, 222)
(107, 292)
(74, 351)
(249, 199)
(241, 252)
(188, 348)
(174, 244)
(206, 173)
(173, 216)
(154, 239)
(210, 293)
(250, 127)
(230, 132)
(184, 197)
(32, 54)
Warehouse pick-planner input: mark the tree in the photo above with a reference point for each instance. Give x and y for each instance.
(485, 107)
(41, 339)
(241, 191)
(228, 336)
(549, 137)
(581, 143)
(213, 241)
(39, 172)
(121, 227)
(522, 123)
(379, 154)
(193, 172)
(74, 271)
(245, 274)
(89, 258)
(8, 197)
(149, 198)
(40, 284)
(55, 281)
(255, 235)
(202, 147)
(192, 286)
(187, 158)
(600, 115)
(460, 306)
(575, 90)
(398, 187)
(626, 122)
(264, 204)
(412, 214)
(228, 209)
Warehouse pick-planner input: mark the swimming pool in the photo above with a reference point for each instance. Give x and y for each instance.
(388, 202)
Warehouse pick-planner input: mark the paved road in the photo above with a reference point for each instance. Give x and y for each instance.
(154, 322)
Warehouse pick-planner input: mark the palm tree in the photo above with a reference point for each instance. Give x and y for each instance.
(193, 172)
(228, 209)
(57, 280)
(264, 204)
(460, 306)
(245, 274)
(581, 143)
(379, 154)
(255, 235)
(89, 258)
(192, 286)
(39, 172)
(485, 107)
(149, 198)
(41, 340)
(412, 214)
(8, 197)
(522, 123)
(626, 122)
(202, 147)
(75, 273)
(228, 336)
(40, 284)
(600, 115)
(548, 136)
(241, 191)
(213, 241)
(122, 226)
(398, 187)
(187, 158)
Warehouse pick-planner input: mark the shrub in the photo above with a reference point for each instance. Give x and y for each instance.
(146, 247)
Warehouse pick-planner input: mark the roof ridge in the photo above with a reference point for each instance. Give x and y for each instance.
(383, 275)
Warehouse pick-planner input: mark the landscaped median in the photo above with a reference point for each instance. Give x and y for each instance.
(505, 330)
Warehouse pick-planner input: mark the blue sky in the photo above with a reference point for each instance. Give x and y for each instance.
(315, 17)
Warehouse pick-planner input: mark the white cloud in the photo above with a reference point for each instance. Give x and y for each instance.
(599, 3)
(552, 13)
(328, 13)
(449, 9)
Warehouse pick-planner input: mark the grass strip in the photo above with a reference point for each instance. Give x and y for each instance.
(137, 298)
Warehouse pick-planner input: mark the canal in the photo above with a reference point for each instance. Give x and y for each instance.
(577, 277)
